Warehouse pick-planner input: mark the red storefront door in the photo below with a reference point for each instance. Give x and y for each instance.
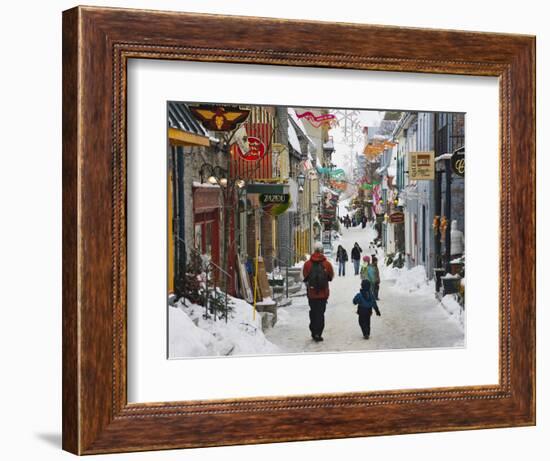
(207, 234)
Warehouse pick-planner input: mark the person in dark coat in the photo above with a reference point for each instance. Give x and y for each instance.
(341, 259)
(348, 221)
(356, 257)
(317, 296)
(366, 303)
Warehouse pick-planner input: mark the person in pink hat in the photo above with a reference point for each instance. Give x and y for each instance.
(363, 273)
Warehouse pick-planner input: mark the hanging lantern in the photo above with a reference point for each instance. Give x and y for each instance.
(301, 180)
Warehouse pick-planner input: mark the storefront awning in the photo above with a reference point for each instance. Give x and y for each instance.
(183, 128)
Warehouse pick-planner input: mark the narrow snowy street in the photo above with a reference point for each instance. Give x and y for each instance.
(411, 316)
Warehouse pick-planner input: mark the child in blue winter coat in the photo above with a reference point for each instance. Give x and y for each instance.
(366, 302)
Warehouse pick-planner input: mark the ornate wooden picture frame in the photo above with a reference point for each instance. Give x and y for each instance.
(97, 44)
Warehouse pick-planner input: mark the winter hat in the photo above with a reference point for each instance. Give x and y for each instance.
(366, 259)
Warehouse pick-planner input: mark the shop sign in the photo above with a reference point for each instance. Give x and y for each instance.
(254, 149)
(219, 118)
(265, 188)
(458, 163)
(276, 208)
(274, 198)
(397, 218)
(421, 166)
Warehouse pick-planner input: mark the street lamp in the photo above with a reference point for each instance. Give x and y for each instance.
(213, 174)
(207, 172)
(301, 178)
(220, 175)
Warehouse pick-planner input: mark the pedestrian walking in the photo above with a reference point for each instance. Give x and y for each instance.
(374, 277)
(366, 303)
(363, 221)
(356, 257)
(341, 259)
(317, 273)
(364, 269)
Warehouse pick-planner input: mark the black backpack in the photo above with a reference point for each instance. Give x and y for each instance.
(317, 278)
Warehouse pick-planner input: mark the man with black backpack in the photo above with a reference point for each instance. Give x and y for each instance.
(317, 272)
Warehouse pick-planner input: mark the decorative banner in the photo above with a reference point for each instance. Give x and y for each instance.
(377, 199)
(254, 149)
(373, 150)
(219, 118)
(317, 120)
(397, 218)
(458, 162)
(334, 173)
(421, 166)
(339, 185)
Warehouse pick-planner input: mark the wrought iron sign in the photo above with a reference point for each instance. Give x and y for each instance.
(219, 118)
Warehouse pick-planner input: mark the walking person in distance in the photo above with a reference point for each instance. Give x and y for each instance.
(317, 274)
(356, 256)
(341, 259)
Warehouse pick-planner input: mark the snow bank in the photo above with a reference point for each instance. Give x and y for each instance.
(451, 305)
(413, 280)
(191, 335)
(388, 272)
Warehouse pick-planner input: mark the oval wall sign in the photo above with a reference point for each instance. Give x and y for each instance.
(256, 149)
(458, 163)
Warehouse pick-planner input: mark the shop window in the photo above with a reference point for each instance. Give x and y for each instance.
(198, 237)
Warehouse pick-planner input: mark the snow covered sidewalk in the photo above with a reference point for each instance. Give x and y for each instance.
(411, 316)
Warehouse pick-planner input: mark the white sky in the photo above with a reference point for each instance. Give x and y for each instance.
(342, 151)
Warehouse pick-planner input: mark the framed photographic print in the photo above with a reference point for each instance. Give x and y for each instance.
(296, 231)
